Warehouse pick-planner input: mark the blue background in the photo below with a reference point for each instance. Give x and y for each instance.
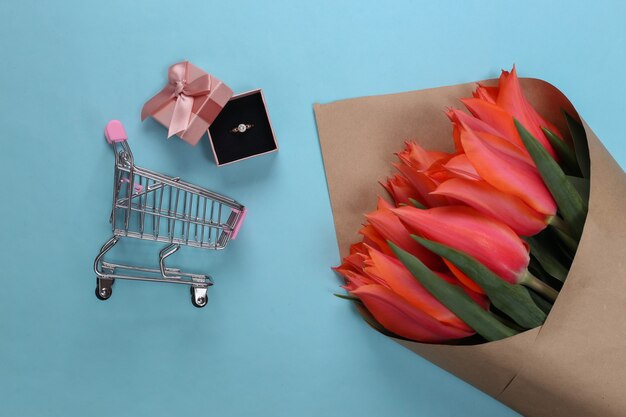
(273, 341)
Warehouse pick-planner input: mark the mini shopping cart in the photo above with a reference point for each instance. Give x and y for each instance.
(151, 206)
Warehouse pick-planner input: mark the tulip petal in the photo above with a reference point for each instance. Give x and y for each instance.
(459, 117)
(494, 116)
(391, 228)
(512, 99)
(507, 174)
(504, 147)
(492, 202)
(424, 185)
(462, 167)
(486, 93)
(400, 189)
(512, 299)
(372, 238)
(419, 158)
(483, 322)
(400, 280)
(401, 318)
(490, 241)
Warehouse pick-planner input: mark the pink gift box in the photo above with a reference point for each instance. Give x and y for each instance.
(196, 98)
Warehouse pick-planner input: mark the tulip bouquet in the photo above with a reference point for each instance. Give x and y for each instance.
(481, 231)
(475, 243)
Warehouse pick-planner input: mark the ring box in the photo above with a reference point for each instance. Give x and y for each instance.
(245, 108)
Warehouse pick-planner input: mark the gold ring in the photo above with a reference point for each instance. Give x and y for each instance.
(242, 128)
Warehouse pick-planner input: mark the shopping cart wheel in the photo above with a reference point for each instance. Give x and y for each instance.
(198, 296)
(103, 293)
(104, 288)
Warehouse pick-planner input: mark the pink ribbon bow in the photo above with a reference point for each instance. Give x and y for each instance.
(182, 93)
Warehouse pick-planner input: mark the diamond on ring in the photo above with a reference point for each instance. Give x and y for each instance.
(242, 128)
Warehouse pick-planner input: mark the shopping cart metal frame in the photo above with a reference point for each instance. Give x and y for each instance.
(151, 206)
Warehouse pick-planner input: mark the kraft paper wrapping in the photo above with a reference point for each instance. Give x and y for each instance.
(573, 365)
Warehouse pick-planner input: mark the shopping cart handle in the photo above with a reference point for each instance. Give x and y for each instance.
(239, 222)
(114, 132)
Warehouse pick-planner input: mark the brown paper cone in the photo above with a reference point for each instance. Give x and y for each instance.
(573, 365)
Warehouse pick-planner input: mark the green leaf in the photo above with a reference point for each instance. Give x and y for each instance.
(582, 185)
(512, 299)
(535, 268)
(348, 297)
(454, 298)
(417, 204)
(566, 155)
(547, 256)
(544, 305)
(570, 204)
(581, 146)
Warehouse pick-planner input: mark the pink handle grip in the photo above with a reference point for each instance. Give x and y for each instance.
(114, 132)
(238, 225)
(138, 188)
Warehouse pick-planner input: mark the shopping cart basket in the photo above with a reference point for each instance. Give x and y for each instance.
(151, 206)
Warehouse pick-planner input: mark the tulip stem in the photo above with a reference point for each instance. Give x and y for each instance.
(559, 224)
(540, 287)
(567, 240)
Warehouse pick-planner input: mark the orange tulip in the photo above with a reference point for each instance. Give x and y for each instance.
(461, 167)
(400, 317)
(486, 93)
(419, 158)
(490, 201)
(398, 301)
(490, 241)
(389, 227)
(372, 238)
(424, 184)
(489, 135)
(497, 106)
(420, 173)
(511, 98)
(399, 279)
(508, 172)
(497, 118)
(401, 190)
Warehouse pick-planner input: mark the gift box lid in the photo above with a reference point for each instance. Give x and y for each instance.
(189, 102)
